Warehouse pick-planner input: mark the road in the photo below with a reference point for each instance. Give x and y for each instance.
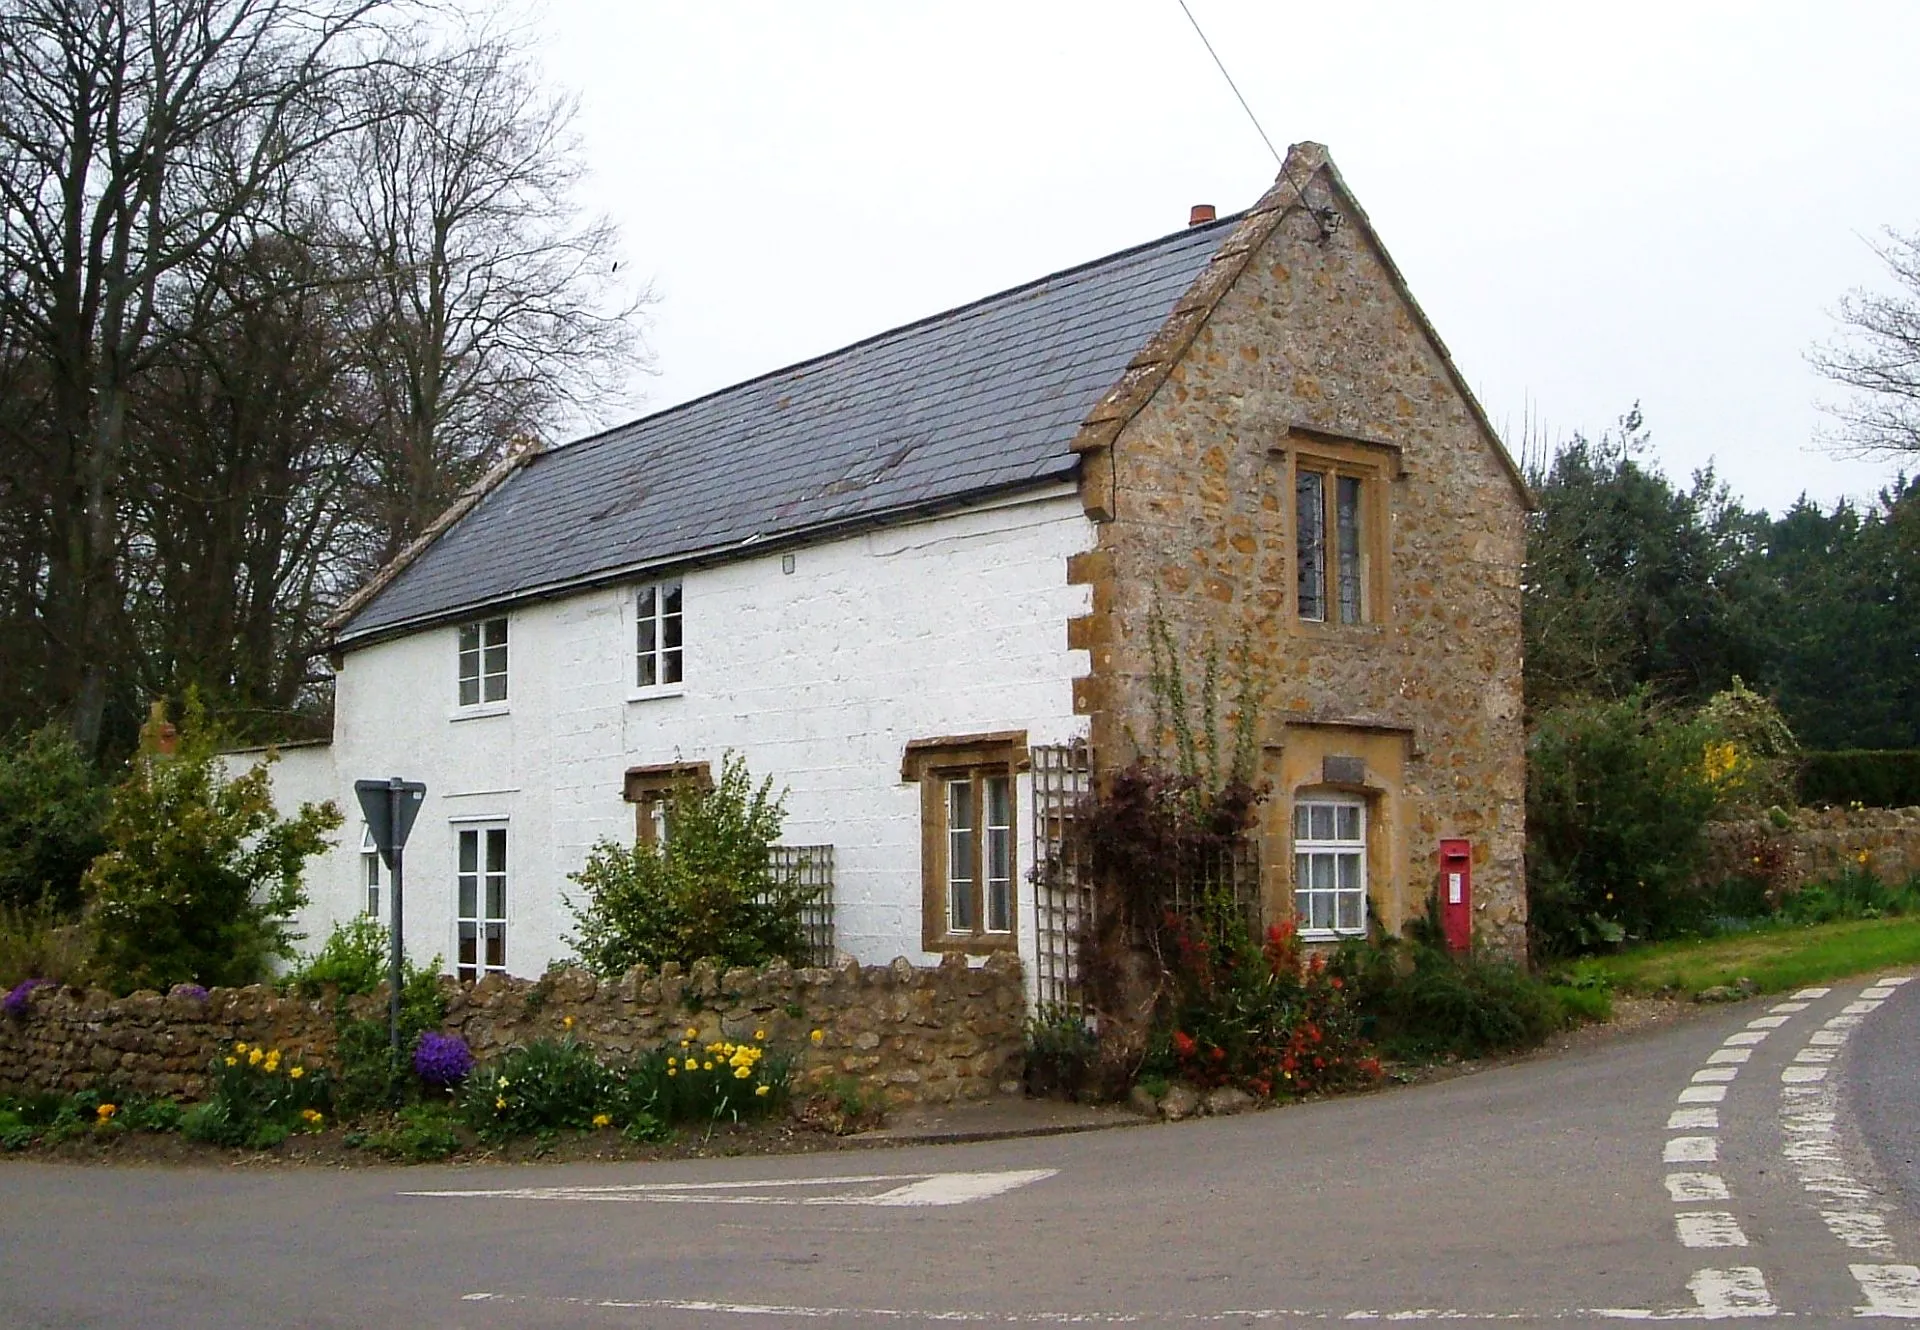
(1758, 1162)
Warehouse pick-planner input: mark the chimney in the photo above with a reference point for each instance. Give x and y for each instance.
(1200, 214)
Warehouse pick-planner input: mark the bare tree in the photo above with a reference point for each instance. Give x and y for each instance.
(133, 133)
(1878, 357)
(494, 305)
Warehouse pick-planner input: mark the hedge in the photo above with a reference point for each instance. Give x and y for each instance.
(1876, 778)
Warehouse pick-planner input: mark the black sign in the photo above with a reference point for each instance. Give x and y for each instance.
(390, 818)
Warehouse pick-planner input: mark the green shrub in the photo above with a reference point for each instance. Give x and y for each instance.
(1855, 893)
(709, 893)
(1062, 1053)
(1873, 778)
(1425, 1002)
(705, 1083)
(353, 959)
(546, 1086)
(368, 1073)
(37, 942)
(1751, 755)
(52, 806)
(200, 875)
(1618, 796)
(421, 1134)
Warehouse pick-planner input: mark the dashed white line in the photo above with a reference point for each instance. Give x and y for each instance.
(1690, 1187)
(1787, 1008)
(1693, 1119)
(1896, 981)
(1892, 1290)
(1715, 1075)
(1766, 1022)
(1691, 1150)
(1811, 1054)
(1745, 1037)
(1861, 1229)
(1802, 1075)
(1813, 992)
(1703, 1094)
(1859, 1008)
(1708, 1228)
(1733, 1055)
(1828, 1038)
(1723, 1294)
(1879, 992)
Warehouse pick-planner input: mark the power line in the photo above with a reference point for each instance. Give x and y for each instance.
(1231, 84)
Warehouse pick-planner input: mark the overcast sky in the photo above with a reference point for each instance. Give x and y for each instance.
(1658, 202)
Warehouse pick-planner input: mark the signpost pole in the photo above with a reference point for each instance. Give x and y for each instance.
(394, 967)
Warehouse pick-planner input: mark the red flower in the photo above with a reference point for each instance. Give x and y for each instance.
(1183, 1043)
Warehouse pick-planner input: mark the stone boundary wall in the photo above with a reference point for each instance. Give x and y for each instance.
(908, 1034)
(1821, 842)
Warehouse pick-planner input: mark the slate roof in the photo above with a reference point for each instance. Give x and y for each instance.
(979, 399)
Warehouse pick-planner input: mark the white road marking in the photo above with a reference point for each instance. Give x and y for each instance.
(1842, 1022)
(1693, 1119)
(1691, 1150)
(1723, 1294)
(917, 1189)
(1733, 1055)
(1802, 1075)
(1859, 1228)
(1708, 1228)
(1895, 981)
(1745, 1037)
(1703, 1094)
(1859, 1008)
(1879, 993)
(1892, 1290)
(1715, 1075)
(1696, 1187)
(1787, 1008)
(1811, 1054)
(1766, 1022)
(1813, 992)
(1829, 1038)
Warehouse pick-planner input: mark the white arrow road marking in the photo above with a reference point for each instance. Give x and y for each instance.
(1741, 1291)
(916, 1189)
(1892, 1290)
(1708, 1228)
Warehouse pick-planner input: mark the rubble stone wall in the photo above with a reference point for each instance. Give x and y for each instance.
(1820, 843)
(907, 1034)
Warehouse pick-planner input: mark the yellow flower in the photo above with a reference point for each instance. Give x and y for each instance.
(760, 1091)
(499, 1103)
(817, 1036)
(1861, 857)
(692, 1033)
(504, 1082)
(741, 1073)
(760, 1036)
(240, 1047)
(602, 1120)
(106, 1111)
(312, 1117)
(672, 1061)
(673, 1071)
(568, 1022)
(254, 1055)
(273, 1060)
(296, 1072)
(706, 1066)
(233, 1062)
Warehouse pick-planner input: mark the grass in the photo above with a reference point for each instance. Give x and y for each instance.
(1775, 958)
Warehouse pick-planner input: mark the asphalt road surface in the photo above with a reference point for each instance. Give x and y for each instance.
(1757, 1163)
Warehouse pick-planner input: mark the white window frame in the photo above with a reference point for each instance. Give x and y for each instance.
(1335, 850)
(370, 869)
(478, 911)
(659, 666)
(490, 693)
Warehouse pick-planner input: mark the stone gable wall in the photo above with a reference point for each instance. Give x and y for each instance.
(1821, 843)
(910, 1034)
(1312, 344)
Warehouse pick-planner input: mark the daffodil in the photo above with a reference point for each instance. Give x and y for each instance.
(106, 1111)
(254, 1056)
(692, 1033)
(296, 1072)
(760, 1036)
(602, 1120)
(240, 1047)
(233, 1061)
(500, 1103)
(568, 1022)
(706, 1066)
(817, 1036)
(673, 1071)
(503, 1083)
(760, 1091)
(273, 1060)
(741, 1073)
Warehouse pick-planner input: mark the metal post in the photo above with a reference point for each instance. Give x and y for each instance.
(394, 967)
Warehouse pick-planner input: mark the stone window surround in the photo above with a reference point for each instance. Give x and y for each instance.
(1374, 463)
(1337, 846)
(929, 763)
(647, 788)
(1298, 768)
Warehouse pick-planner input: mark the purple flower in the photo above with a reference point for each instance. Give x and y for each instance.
(15, 1001)
(442, 1060)
(194, 991)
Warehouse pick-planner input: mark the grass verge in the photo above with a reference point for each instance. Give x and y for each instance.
(1776, 958)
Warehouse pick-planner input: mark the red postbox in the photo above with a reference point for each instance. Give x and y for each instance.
(1456, 893)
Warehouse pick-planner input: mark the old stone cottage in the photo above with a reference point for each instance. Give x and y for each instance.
(910, 580)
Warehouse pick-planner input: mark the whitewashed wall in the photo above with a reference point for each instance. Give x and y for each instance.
(819, 677)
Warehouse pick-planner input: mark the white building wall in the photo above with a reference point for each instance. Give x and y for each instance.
(819, 678)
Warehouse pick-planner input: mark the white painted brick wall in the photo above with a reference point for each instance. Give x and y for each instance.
(955, 625)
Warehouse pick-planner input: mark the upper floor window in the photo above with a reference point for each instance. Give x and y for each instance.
(483, 662)
(1331, 554)
(657, 648)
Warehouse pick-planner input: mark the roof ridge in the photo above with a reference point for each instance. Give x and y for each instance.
(607, 435)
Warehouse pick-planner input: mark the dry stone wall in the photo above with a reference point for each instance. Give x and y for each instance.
(1820, 843)
(907, 1034)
